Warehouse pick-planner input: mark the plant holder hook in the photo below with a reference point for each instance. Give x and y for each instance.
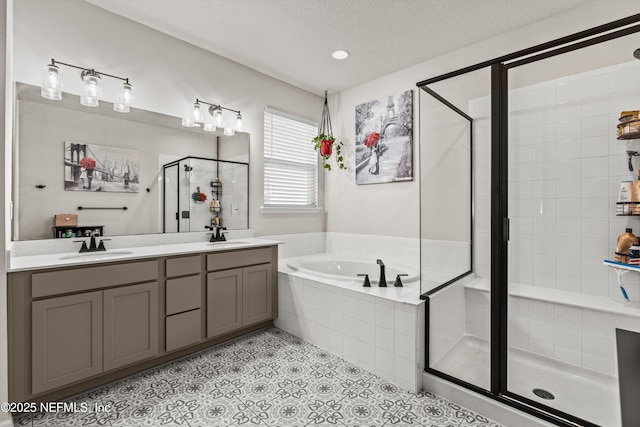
(324, 141)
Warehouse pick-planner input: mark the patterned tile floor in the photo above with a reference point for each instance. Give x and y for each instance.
(267, 378)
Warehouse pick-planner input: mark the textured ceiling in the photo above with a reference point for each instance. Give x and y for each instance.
(292, 40)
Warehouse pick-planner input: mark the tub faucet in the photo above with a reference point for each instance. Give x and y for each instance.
(382, 282)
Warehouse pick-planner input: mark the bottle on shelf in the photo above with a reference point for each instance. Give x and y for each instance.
(635, 196)
(625, 241)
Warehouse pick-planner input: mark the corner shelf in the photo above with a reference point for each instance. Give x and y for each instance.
(621, 266)
(627, 208)
(629, 129)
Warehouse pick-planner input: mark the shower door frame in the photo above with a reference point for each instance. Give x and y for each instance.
(499, 211)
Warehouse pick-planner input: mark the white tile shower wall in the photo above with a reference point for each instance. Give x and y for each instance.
(578, 336)
(379, 335)
(564, 175)
(565, 170)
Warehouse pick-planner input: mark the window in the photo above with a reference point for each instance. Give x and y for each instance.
(290, 162)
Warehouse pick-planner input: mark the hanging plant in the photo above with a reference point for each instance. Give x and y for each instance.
(325, 143)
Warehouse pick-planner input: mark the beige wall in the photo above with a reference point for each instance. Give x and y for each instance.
(167, 76)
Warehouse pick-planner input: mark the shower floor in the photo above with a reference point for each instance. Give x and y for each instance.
(584, 393)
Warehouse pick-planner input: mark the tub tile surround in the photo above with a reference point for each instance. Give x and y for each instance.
(375, 333)
(265, 378)
(375, 328)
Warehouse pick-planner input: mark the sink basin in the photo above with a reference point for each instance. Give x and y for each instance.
(96, 255)
(226, 244)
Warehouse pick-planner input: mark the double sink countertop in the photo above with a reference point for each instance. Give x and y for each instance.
(69, 259)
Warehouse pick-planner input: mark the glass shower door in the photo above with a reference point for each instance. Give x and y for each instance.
(565, 168)
(455, 170)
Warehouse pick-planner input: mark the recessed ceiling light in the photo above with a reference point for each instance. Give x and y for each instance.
(340, 54)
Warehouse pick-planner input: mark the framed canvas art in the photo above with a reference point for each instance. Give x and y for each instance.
(90, 167)
(384, 139)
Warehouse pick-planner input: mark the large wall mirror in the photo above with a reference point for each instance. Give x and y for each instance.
(127, 153)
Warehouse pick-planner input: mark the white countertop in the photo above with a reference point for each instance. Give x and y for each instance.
(69, 259)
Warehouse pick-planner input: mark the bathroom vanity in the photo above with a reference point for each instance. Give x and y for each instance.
(79, 322)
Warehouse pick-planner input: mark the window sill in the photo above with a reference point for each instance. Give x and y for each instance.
(289, 210)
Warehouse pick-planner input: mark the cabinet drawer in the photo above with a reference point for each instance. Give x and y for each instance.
(183, 329)
(233, 259)
(89, 278)
(183, 294)
(183, 265)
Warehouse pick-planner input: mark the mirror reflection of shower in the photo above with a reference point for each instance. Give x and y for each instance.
(201, 192)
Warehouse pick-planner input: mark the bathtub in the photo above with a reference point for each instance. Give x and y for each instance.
(347, 269)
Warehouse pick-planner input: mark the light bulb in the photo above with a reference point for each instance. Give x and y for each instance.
(92, 88)
(209, 127)
(218, 120)
(229, 131)
(196, 113)
(188, 122)
(239, 121)
(51, 83)
(125, 99)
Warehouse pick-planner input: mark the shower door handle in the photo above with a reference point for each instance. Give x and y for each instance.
(505, 229)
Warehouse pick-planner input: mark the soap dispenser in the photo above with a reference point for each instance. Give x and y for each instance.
(625, 241)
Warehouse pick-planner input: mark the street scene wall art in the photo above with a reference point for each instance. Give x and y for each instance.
(384, 139)
(90, 167)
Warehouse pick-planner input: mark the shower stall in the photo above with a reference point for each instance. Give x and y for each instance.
(200, 192)
(521, 162)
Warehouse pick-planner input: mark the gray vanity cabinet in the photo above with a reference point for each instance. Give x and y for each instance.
(183, 302)
(66, 340)
(224, 302)
(81, 335)
(75, 328)
(240, 292)
(257, 294)
(130, 324)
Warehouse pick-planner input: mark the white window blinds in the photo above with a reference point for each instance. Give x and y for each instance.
(290, 162)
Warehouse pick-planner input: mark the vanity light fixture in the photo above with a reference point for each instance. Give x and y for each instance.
(92, 90)
(215, 110)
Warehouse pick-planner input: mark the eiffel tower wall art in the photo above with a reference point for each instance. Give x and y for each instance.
(384, 139)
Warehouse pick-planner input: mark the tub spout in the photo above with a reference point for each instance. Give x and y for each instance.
(382, 282)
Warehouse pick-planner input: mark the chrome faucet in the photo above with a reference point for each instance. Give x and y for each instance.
(382, 282)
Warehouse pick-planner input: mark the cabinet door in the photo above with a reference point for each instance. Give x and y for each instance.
(224, 301)
(130, 324)
(257, 294)
(66, 340)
